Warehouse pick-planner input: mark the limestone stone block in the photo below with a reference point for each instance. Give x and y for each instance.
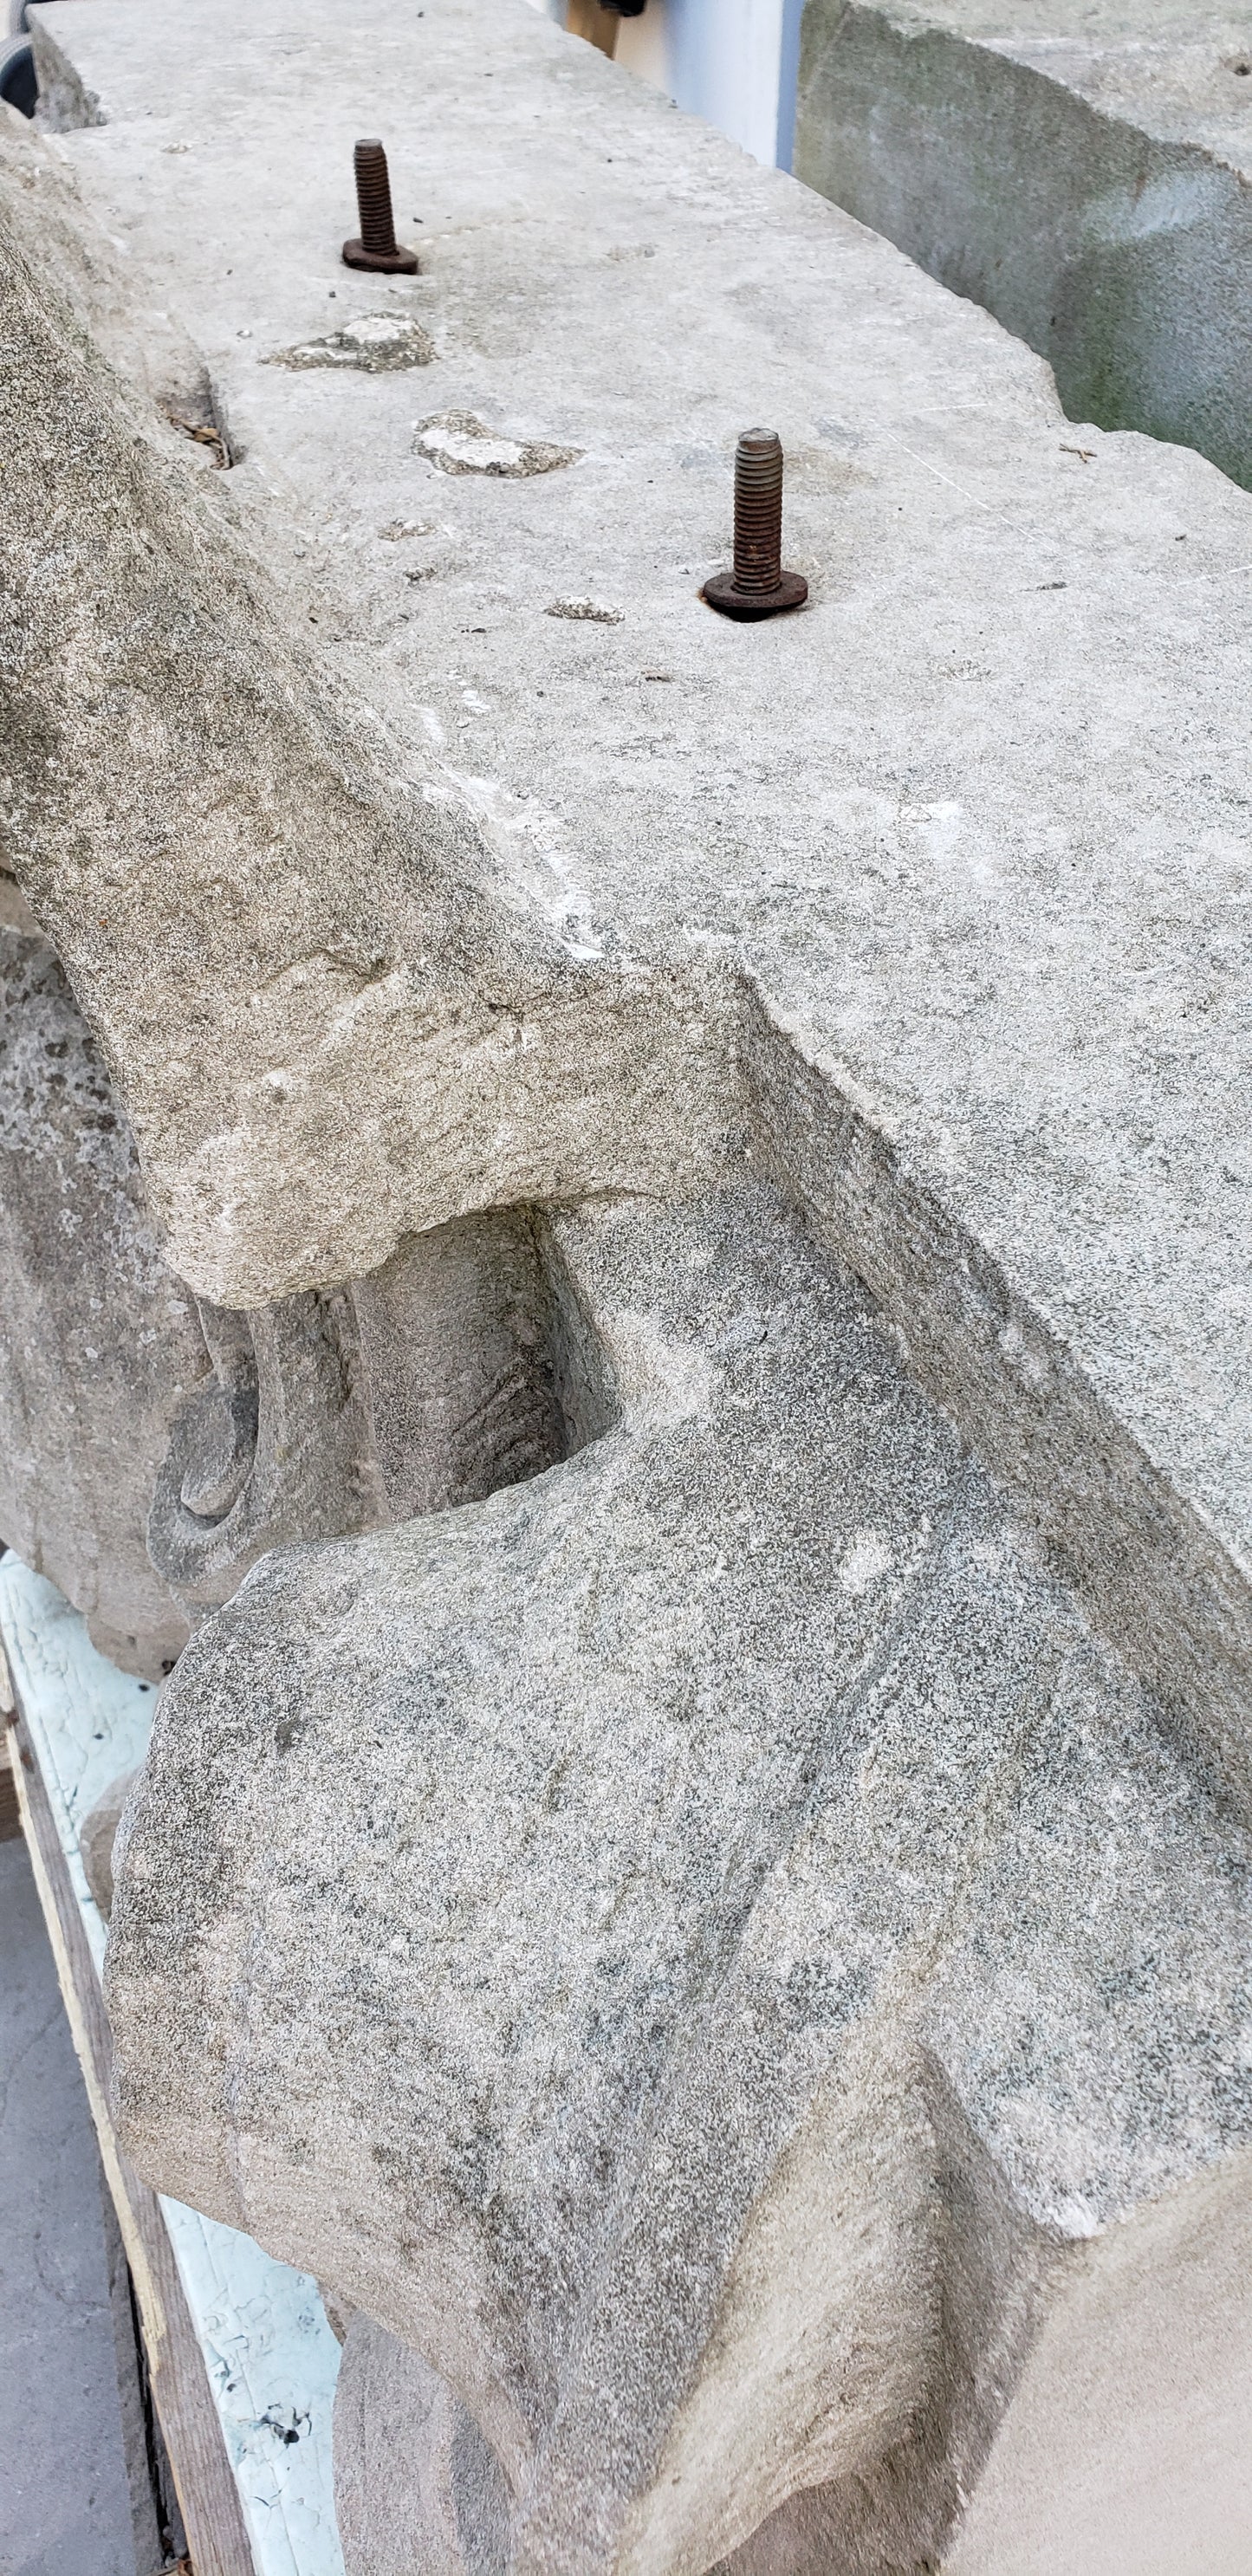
(719, 1927)
(535, 910)
(704, 1947)
(101, 1343)
(1081, 171)
(98, 1835)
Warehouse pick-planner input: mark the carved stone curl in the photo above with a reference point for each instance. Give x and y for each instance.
(635, 1940)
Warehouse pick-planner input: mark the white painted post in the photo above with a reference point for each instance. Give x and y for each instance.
(732, 61)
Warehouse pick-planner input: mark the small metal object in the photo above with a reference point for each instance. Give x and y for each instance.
(758, 586)
(377, 246)
(19, 85)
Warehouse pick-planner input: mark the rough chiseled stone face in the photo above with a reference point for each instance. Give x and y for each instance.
(650, 1887)
(687, 1943)
(152, 1446)
(1082, 170)
(427, 1384)
(416, 2486)
(100, 1344)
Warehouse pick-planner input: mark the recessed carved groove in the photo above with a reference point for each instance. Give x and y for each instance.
(463, 1365)
(479, 1369)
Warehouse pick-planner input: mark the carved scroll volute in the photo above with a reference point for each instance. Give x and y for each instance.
(273, 1448)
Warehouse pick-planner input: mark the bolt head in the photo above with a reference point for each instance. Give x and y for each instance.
(750, 605)
(396, 263)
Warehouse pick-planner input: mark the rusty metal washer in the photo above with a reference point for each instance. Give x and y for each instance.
(723, 592)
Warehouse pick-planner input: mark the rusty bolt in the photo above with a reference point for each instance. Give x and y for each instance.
(377, 246)
(758, 586)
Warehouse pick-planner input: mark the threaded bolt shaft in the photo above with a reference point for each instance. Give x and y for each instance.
(758, 510)
(373, 197)
(757, 586)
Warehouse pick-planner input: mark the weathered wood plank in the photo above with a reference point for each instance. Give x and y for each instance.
(10, 1812)
(599, 26)
(207, 2494)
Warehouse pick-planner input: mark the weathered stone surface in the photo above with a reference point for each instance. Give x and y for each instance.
(708, 1947)
(1082, 170)
(98, 1836)
(565, 924)
(1123, 2452)
(415, 2483)
(457, 442)
(448, 1372)
(100, 1343)
(380, 341)
(701, 1946)
(155, 1446)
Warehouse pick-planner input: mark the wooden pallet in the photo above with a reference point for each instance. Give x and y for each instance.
(201, 2289)
(207, 2494)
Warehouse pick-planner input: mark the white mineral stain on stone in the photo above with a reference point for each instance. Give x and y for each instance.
(940, 829)
(865, 1561)
(491, 455)
(1027, 1363)
(523, 837)
(457, 442)
(374, 343)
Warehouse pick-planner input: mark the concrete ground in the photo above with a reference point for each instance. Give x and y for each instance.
(65, 2506)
